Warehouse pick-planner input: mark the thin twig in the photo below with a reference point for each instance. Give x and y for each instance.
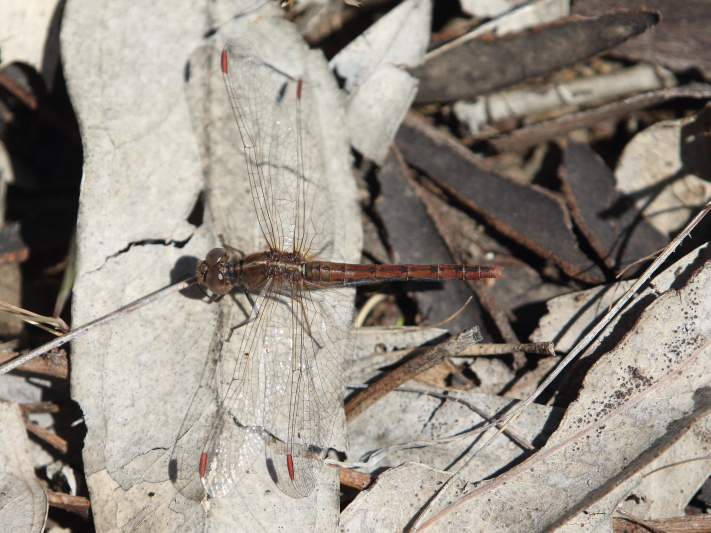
(539, 348)
(74, 504)
(449, 318)
(43, 407)
(680, 524)
(54, 440)
(523, 443)
(639, 521)
(368, 308)
(33, 318)
(81, 330)
(408, 329)
(14, 88)
(374, 457)
(354, 479)
(501, 320)
(478, 350)
(54, 364)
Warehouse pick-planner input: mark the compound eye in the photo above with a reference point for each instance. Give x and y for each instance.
(215, 280)
(216, 255)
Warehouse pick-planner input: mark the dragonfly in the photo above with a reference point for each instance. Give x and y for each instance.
(288, 383)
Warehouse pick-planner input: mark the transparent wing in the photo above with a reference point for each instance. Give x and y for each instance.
(280, 137)
(286, 390)
(311, 365)
(287, 386)
(237, 434)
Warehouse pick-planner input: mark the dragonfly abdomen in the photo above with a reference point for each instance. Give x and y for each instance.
(325, 273)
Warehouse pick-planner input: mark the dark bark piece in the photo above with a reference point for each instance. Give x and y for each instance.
(522, 284)
(483, 65)
(531, 216)
(681, 42)
(695, 145)
(373, 246)
(610, 222)
(413, 238)
(524, 138)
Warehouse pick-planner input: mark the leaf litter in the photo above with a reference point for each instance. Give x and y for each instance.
(626, 424)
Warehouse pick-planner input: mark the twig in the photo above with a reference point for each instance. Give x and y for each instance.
(374, 457)
(354, 479)
(33, 318)
(368, 307)
(360, 321)
(477, 350)
(639, 521)
(679, 524)
(43, 407)
(523, 443)
(14, 88)
(501, 321)
(74, 504)
(54, 364)
(57, 442)
(81, 330)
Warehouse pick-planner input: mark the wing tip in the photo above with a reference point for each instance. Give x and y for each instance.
(224, 61)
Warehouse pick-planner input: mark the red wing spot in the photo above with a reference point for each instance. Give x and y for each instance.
(290, 466)
(203, 464)
(298, 95)
(224, 61)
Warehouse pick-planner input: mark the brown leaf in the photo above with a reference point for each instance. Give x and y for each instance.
(681, 41)
(609, 220)
(413, 238)
(483, 65)
(533, 217)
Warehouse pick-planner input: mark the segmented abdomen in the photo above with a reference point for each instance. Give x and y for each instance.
(324, 273)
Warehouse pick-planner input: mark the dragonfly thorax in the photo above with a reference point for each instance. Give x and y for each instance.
(257, 268)
(220, 271)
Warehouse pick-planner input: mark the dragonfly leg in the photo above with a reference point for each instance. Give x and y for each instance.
(304, 313)
(212, 297)
(244, 322)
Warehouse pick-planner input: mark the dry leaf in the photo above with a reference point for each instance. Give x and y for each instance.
(662, 175)
(636, 401)
(29, 31)
(379, 91)
(151, 103)
(23, 501)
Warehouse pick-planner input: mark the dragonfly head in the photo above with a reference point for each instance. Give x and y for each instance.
(213, 271)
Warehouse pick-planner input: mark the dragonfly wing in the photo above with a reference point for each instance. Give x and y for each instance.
(237, 434)
(262, 99)
(303, 339)
(312, 373)
(282, 140)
